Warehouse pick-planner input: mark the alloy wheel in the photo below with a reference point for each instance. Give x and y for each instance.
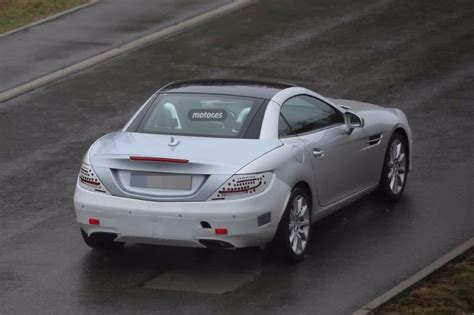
(396, 167)
(299, 224)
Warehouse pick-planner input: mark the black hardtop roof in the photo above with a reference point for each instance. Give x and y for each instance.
(248, 88)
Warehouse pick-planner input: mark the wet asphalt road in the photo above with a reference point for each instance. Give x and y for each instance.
(107, 24)
(412, 55)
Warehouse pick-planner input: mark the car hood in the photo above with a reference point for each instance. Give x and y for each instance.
(356, 106)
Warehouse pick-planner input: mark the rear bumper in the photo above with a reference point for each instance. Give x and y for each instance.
(179, 223)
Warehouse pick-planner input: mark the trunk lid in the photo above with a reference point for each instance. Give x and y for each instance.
(162, 168)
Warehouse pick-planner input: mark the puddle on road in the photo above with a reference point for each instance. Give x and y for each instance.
(200, 281)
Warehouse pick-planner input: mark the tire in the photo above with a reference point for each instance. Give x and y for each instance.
(102, 241)
(395, 169)
(294, 231)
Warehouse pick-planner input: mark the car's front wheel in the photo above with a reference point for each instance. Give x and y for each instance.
(101, 241)
(395, 169)
(294, 231)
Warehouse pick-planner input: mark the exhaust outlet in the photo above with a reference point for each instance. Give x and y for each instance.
(216, 244)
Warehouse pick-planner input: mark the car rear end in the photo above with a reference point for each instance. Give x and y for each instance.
(172, 177)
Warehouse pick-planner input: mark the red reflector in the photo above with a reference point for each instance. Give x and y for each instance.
(93, 221)
(221, 231)
(158, 159)
(87, 181)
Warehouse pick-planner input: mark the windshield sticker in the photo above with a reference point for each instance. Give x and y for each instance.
(207, 114)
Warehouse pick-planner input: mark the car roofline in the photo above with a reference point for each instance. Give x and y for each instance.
(212, 82)
(234, 87)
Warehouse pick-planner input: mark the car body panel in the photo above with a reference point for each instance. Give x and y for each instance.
(381, 120)
(352, 162)
(340, 171)
(214, 160)
(179, 223)
(289, 162)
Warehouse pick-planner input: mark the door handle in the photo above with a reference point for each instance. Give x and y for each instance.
(318, 153)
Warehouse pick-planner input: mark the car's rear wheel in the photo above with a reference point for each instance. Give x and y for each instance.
(395, 169)
(101, 241)
(294, 231)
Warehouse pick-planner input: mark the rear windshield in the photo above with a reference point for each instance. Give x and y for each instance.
(200, 115)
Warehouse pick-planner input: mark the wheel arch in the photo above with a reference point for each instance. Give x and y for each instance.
(307, 188)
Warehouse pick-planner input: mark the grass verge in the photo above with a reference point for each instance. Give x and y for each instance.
(17, 13)
(449, 290)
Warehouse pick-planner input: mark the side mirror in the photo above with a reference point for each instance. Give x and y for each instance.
(353, 121)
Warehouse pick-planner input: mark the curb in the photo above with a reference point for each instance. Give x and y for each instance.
(114, 52)
(50, 18)
(402, 286)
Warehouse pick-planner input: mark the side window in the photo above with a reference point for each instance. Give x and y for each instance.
(304, 113)
(283, 128)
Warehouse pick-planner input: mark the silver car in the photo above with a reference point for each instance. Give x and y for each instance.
(233, 163)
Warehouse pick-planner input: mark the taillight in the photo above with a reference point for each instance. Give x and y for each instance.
(242, 186)
(89, 180)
